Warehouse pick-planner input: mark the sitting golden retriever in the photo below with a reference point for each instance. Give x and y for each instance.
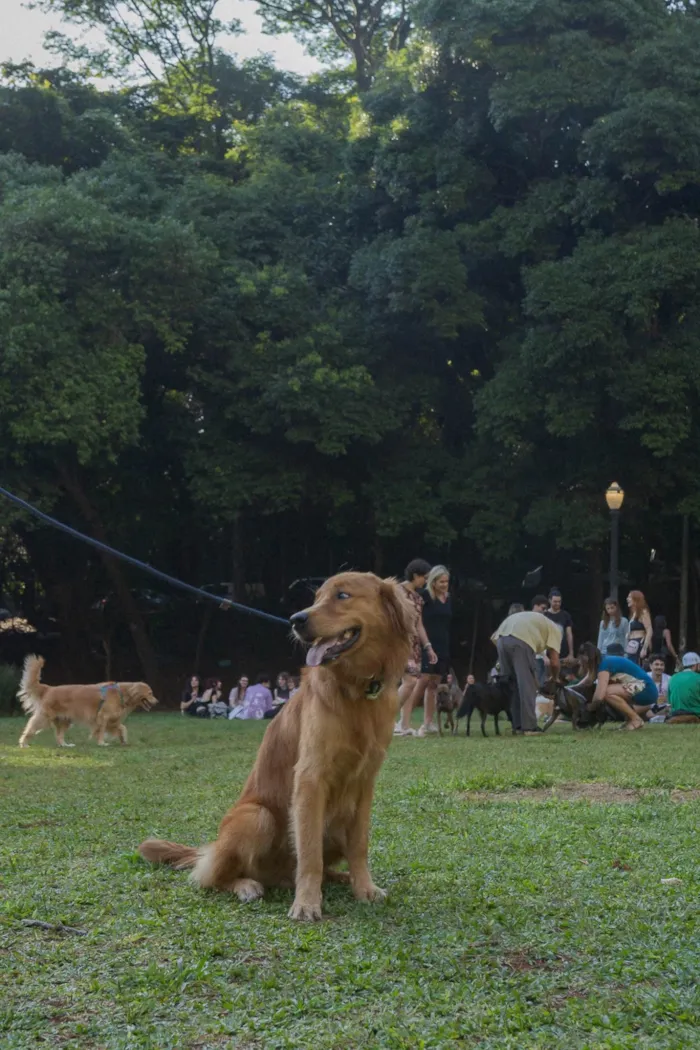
(103, 706)
(306, 804)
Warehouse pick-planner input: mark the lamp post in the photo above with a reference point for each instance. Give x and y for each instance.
(614, 497)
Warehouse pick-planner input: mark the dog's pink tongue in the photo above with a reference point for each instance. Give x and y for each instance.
(315, 655)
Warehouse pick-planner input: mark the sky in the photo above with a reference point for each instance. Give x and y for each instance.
(22, 31)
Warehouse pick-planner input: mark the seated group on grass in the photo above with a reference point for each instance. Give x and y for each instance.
(638, 695)
(245, 701)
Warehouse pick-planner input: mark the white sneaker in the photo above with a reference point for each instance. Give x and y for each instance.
(427, 728)
(398, 731)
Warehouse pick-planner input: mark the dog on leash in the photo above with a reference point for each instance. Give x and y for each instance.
(575, 703)
(488, 698)
(307, 801)
(446, 704)
(103, 707)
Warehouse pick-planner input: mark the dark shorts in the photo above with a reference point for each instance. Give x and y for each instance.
(442, 667)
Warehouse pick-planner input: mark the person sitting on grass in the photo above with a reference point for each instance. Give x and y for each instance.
(620, 683)
(684, 691)
(257, 700)
(236, 696)
(282, 688)
(659, 676)
(213, 695)
(191, 700)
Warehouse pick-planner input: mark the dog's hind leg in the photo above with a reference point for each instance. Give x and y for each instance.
(35, 724)
(495, 722)
(342, 878)
(234, 861)
(484, 716)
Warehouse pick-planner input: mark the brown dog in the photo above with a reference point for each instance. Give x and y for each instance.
(306, 804)
(103, 706)
(446, 704)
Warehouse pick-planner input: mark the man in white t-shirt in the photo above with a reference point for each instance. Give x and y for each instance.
(657, 666)
(517, 640)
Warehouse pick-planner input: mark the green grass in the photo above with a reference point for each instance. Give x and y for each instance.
(511, 925)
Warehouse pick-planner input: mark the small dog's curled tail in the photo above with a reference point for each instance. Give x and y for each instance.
(30, 687)
(160, 851)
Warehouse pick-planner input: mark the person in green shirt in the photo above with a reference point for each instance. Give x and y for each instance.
(684, 691)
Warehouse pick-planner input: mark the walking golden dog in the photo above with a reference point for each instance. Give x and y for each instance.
(306, 804)
(103, 707)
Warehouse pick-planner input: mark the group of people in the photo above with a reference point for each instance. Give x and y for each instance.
(641, 638)
(259, 700)
(627, 669)
(428, 590)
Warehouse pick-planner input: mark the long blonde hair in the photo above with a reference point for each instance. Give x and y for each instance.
(435, 573)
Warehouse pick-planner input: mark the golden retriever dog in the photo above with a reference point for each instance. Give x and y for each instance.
(306, 803)
(103, 706)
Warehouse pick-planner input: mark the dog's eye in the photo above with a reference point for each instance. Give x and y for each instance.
(342, 596)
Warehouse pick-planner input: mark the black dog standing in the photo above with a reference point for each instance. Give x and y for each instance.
(491, 699)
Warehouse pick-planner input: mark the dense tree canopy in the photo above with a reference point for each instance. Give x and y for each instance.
(253, 328)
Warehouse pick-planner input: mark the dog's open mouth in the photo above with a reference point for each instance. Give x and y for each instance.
(325, 650)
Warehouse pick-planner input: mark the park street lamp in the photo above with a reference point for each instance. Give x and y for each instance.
(614, 497)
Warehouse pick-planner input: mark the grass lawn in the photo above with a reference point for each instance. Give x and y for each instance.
(519, 917)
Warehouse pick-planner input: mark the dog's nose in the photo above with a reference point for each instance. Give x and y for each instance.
(299, 621)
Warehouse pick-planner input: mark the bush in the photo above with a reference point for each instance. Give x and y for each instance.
(9, 684)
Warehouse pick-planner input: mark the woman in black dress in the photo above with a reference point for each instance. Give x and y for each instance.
(437, 618)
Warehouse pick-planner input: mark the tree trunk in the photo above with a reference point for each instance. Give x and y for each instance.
(596, 593)
(132, 614)
(202, 637)
(237, 560)
(377, 555)
(685, 569)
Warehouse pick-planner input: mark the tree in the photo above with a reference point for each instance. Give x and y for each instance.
(84, 288)
(367, 30)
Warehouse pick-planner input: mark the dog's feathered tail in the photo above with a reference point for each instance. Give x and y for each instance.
(30, 688)
(160, 851)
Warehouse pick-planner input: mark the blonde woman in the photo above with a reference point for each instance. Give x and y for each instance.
(416, 573)
(437, 617)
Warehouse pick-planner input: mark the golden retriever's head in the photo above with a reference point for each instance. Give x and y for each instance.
(359, 622)
(139, 694)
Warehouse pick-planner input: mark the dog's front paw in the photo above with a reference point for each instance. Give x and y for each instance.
(305, 911)
(369, 893)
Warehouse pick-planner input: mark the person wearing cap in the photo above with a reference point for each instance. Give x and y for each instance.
(684, 691)
(518, 639)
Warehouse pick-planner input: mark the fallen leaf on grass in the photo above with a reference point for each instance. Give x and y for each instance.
(621, 866)
(672, 882)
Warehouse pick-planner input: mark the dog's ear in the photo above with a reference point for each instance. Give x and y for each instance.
(397, 606)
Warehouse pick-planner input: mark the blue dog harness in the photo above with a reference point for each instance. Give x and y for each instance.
(104, 689)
